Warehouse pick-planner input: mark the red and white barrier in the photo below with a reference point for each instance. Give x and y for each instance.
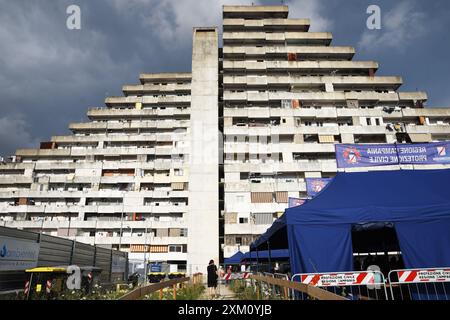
(236, 276)
(338, 279)
(423, 275)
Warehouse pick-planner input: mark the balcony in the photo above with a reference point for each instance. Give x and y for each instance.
(309, 38)
(266, 24)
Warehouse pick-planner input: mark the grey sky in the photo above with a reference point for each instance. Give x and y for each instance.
(50, 76)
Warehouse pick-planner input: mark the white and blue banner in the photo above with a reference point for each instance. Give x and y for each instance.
(315, 185)
(18, 254)
(358, 155)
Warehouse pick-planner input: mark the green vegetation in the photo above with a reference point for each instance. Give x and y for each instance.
(97, 293)
(187, 292)
(242, 291)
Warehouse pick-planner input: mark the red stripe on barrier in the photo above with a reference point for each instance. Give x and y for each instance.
(411, 276)
(315, 279)
(361, 277)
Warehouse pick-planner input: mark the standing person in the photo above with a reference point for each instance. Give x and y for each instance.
(212, 278)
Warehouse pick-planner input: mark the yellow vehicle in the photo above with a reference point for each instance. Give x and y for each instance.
(49, 282)
(155, 277)
(175, 275)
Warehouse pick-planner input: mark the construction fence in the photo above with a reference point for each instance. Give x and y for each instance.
(21, 250)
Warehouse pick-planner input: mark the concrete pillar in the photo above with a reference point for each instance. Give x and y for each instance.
(203, 216)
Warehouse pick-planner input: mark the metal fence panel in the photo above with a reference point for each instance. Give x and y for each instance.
(103, 260)
(54, 251)
(83, 254)
(20, 234)
(420, 284)
(353, 285)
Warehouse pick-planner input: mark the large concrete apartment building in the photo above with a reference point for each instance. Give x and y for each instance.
(187, 167)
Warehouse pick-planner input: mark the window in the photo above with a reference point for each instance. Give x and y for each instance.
(178, 172)
(243, 220)
(238, 240)
(175, 248)
(368, 121)
(377, 122)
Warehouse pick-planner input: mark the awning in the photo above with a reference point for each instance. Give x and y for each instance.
(262, 197)
(138, 248)
(326, 139)
(281, 197)
(177, 185)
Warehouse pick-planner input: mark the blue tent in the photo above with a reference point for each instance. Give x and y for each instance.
(274, 254)
(415, 202)
(234, 259)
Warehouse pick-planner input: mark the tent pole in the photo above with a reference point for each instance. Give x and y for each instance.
(270, 256)
(257, 260)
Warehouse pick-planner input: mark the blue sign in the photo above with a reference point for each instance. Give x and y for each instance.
(155, 268)
(315, 185)
(18, 254)
(358, 155)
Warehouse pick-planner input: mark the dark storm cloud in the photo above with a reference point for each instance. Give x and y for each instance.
(50, 75)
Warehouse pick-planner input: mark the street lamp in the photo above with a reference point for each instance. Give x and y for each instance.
(43, 218)
(121, 224)
(145, 255)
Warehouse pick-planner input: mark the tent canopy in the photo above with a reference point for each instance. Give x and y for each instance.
(234, 259)
(276, 236)
(263, 255)
(415, 202)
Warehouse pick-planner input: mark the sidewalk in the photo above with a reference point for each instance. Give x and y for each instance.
(223, 292)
